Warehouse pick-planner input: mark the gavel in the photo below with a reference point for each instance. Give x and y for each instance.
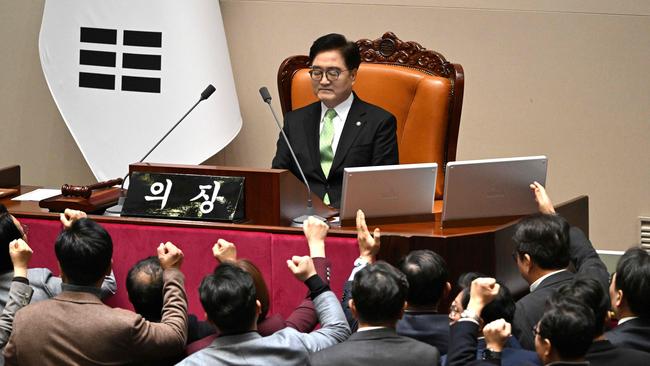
(86, 191)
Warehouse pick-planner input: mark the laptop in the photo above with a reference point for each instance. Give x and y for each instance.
(388, 190)
(492, 187)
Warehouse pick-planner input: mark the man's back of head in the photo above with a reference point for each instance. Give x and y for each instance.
(545, 238)
(565, 332)
(228, 297)
(84, 252)
(427, 276)
(630, 287)
(379, 293)
(589, 292)
(144, 283)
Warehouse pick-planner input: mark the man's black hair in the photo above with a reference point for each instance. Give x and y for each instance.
(144, 283)
(427, 275)
(546, 239)
(228, 297)
(501, 307)
(569, 325)
(590, 292)
(337, 42)
(84, 252)
(379, 291)
(8, 233)
(633, 278)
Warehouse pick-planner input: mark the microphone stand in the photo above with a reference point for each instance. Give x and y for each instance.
(309, 211)
(117, 209)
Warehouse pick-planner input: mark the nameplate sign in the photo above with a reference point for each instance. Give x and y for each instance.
(185, 196)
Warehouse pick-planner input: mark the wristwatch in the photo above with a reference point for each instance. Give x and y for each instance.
(489, 355)
(469, 314)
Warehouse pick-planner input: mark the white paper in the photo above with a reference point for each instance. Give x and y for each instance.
(37, 195)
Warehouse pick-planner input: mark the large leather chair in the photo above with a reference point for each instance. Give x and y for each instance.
(420, 87)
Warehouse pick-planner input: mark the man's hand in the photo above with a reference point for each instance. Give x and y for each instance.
(315, 231)
(170, 256)
(68, 217)
(20, 254)
(482, 292)
(302, 267)
(544, 204)
(496, 334)
(368, 243)
(224, 250)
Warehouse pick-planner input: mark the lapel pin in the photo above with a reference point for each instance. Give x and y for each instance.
(358, 123)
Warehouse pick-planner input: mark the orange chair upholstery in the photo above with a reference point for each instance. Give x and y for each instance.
(418, 86)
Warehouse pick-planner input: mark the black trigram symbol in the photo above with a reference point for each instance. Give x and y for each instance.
(130, 61)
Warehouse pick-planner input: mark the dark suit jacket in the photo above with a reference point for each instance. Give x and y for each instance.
(377, 347)
(604, 353)
(463, 344)
(431, 328)
(76, 328)
(530, 308)
(634, 333)
(368, 138)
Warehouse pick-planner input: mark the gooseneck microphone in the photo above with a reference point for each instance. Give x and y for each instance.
(117, 209)
(298, 221)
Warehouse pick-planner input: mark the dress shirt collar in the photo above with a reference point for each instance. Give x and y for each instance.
(342, 109)
(365, 329)
(628, 318)
(535, 284)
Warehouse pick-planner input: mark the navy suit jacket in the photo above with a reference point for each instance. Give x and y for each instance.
(369, 137)
(634, 333)
(604, 353)
(431, 328)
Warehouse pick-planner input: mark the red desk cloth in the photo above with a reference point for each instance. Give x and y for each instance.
(267, 250)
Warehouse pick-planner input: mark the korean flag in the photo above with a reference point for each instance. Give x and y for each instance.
(123, 72)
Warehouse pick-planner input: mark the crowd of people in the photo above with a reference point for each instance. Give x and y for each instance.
(574, 314)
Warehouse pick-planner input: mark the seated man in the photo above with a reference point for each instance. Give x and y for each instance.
(76, 328)
(427, 275)
(630, 296)
(378, 302)
(601, 352)
(229, 298)
(464, 340)
(564, 333)
(339, 131)
(545, 245)
(144, 284)
(500, 306)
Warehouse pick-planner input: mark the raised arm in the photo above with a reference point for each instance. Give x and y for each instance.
(369, 245)
(20, 293)
(334, 328)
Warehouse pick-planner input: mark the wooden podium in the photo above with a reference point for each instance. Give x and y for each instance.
(273, 197)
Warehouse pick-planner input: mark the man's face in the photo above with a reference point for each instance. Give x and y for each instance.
(332, 93)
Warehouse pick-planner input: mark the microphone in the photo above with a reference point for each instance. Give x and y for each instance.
(298, 221)
(117, 209)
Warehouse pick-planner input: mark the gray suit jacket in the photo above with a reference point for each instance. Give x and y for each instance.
(285, 347)
(46, 285)
(378, 347)
(19, 296)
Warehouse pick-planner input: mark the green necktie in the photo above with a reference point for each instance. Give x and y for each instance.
(325, 145)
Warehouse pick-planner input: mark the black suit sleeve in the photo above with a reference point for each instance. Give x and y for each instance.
(586, 260)
(384, 151)
(347, 295)
(462, 345)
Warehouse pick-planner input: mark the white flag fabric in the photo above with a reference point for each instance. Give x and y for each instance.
(123, 72)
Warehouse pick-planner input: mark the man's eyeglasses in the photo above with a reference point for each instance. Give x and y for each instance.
(332, 74)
